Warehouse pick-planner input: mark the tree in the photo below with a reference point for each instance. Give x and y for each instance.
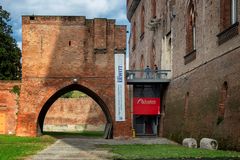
(10, 54)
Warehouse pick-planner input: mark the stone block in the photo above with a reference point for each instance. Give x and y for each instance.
(189, 142)
(208, 143)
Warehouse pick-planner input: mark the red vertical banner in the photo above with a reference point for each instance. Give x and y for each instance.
(146, 106)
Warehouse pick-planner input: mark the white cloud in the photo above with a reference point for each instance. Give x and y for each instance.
(114, 9)
(19, 44)
(91, 8)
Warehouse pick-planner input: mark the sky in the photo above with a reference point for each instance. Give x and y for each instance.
(113, 9)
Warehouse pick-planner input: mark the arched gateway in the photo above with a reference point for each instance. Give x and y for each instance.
(65, 53)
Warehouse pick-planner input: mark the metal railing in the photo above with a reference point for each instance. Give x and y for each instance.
(147, 75)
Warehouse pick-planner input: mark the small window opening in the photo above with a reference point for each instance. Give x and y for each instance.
(186, 105)
(69, 43)
(222, 102)
(32, 18)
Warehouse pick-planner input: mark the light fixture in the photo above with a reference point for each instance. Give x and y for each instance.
(75, 80)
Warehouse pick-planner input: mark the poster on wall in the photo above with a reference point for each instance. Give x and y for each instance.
(119, 87)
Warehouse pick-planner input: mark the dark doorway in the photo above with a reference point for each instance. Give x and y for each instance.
(146, 125)
(146, 109)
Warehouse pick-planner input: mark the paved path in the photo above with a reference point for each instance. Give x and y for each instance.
(85, 148)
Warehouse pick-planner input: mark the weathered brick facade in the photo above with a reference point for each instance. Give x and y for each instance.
(64, 53)
(9, 100)
(66, 114)
(74, 114)
(194, 96)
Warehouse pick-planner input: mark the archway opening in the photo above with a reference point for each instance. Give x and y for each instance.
(75, 109)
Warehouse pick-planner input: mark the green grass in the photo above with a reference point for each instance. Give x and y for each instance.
(94, 134)
(12, 147)
(164, 151)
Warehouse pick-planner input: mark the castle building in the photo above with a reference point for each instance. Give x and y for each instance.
(195, 45)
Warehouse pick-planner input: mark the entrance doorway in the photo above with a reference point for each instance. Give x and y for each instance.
(146, 125)
(146, 109)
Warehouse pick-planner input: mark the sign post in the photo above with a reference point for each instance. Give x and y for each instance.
(120, 87)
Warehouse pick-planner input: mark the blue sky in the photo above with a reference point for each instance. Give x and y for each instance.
(114, 9)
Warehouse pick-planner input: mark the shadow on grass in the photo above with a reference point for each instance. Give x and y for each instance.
(87, 134)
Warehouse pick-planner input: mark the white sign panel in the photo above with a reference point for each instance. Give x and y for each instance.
(119, 87)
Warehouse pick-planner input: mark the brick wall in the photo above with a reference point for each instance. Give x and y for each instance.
(8, 106)
(204, 85)
(203, 77)
(74, 114)
(64, 53)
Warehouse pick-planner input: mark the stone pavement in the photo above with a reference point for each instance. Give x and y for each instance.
(85, 148)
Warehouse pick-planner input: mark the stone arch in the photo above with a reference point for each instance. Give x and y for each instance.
(51, 99)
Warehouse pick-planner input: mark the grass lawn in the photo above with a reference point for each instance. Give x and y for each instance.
(165, 151)
(12, 147)
(94, 134)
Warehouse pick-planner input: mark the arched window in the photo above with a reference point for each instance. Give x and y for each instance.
(191, 28)
(186, 104)
(134, 35)
(142, 62)
(228, 13)
(222, 102)
(154, 9)
(142, 21)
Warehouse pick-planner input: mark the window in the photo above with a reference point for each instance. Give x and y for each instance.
(154, 9)
(190, 33)
(191, 28)
(233, 11)
(222, 102)
(134, 35)
(142, 22)
(142, 62)
(186, 104)
(228, 13)
(228, 20)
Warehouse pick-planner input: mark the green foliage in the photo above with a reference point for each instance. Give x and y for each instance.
(157, 151)
(13, 147)
(67, 95)
(16, 90)
(74, 94)
(10, 66)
